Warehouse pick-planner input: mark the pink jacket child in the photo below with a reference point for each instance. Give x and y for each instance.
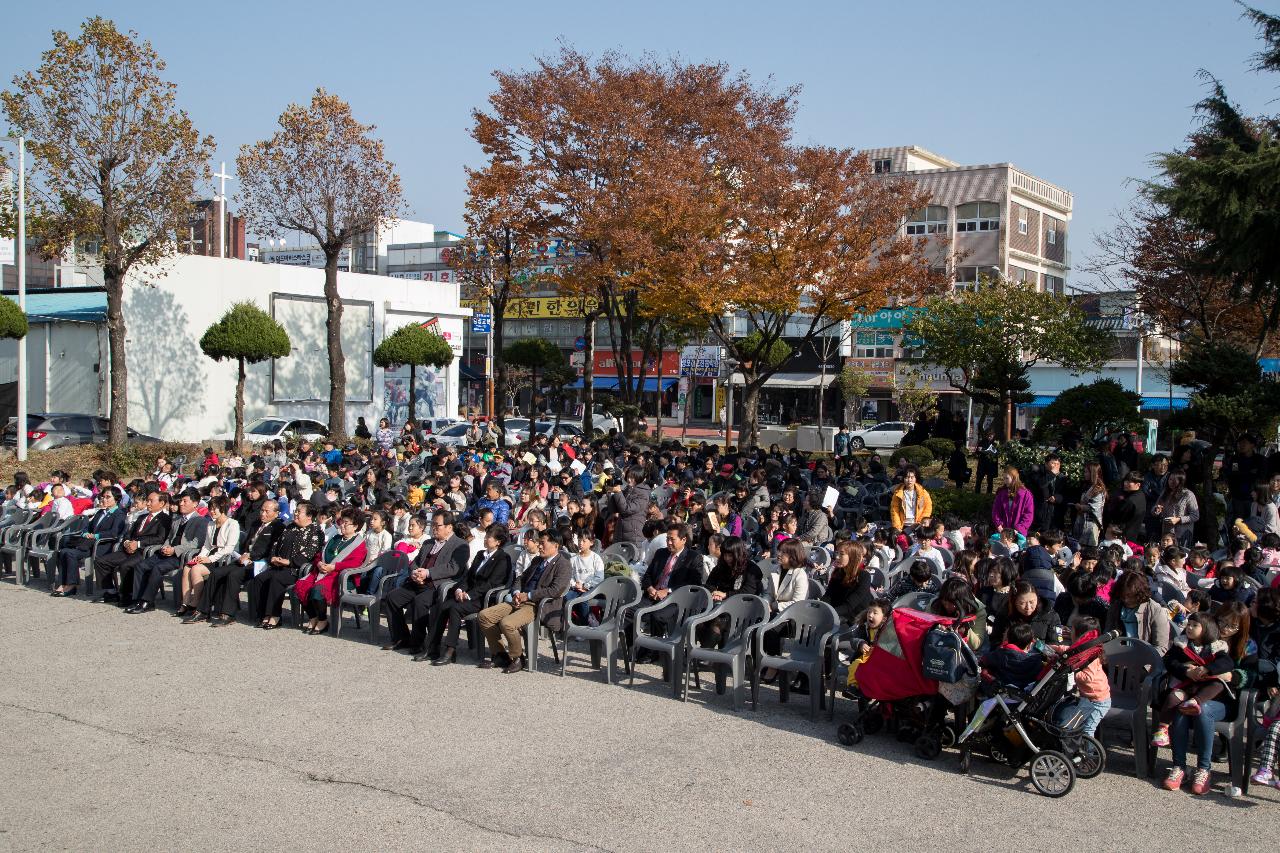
(1016, 510)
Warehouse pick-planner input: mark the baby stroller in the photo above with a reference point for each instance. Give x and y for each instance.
(1015, 726)
(892, 691)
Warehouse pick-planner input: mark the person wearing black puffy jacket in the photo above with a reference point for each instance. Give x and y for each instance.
(1026, 607)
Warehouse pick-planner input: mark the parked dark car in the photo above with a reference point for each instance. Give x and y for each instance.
(49, 430)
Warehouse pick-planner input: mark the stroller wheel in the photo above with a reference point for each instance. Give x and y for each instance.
(965, 759)
(1052, 774)
(1090, 757)
(873, 722)
(849, 735)
(928, 746)
(948, 737)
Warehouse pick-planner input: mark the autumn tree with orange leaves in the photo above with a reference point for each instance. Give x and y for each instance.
(816, 237)
(325, 175)
(633, 162)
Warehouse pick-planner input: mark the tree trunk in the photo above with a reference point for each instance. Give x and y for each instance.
(750, 424)
(119, 413)
(239, 436)
(337, 359)
(1002, 417)
(413, 393)
(588, 375)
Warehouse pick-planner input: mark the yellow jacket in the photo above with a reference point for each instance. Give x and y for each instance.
(924, 506)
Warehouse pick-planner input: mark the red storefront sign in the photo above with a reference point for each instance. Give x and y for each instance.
(603, 364)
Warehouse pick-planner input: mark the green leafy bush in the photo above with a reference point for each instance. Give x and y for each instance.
(913, 453)
(963, 504)
(1027, 459)
(941, 448)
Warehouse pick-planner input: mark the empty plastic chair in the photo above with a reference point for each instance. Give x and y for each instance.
(1132, 669)
(689, 601)
(611, 596)
(808, 650)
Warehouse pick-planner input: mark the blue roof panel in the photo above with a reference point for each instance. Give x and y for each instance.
(51, 306)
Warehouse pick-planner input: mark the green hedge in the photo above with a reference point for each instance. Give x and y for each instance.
(965, 505)
(913, 453)
(941, 448)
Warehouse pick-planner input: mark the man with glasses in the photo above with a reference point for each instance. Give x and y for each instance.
(445, 558)
(106, 526)
(545, 578)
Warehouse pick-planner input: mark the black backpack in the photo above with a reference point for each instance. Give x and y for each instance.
(945, 656)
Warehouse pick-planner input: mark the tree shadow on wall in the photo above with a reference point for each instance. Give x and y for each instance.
(166, 364)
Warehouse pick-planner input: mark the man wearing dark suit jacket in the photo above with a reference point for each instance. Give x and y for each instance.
(187, 536)
(149, 529)
(222, 587)
(672, 567)
(490, 570)
(442, 558)
(543, 580)
(106, 526)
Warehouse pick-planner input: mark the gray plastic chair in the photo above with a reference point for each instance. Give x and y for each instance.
(745, 614)
(103, 546)
(817, 589)
(808, 650)
(1239, 737)
(15, 541)
(628, 552)
(533, 631)
(618, 594)
(916, 600)
(689, 601)
(392, 563)
(1166, 592)
(475, 640)
(1132, 669)
(948, 559)
(43, 544)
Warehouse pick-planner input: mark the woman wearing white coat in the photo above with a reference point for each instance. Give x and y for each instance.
(792, 585)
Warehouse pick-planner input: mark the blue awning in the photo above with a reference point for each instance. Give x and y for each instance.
(76, 306)
(1149, 403)
(610, 383)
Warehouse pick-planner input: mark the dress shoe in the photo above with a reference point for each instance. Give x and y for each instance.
(422, 655)
(193, 617)
(502, 659)
(514, 666)
(270, 627)
(108, 598)
(221, 621)
(394, 646)
(141, 607)
(485, 663)
(182, 612)
(449, 656)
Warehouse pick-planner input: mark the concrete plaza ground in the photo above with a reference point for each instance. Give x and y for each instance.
(137, 733)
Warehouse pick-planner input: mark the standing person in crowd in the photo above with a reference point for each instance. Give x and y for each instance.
(1093, 497)
(1178, 510)
(988, 462)
(362, 429)
(628, 504)
(1127, 509)
(1243, 471)
(1050, 489)
(1014, 506)
(909, 502)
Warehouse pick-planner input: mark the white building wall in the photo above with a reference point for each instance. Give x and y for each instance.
(178, 393)
(1051, 380)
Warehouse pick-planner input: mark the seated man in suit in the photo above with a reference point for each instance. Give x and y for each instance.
(441, 558)
(187, 535)
(672, 567)
(150, 528)
(107, 523)
(489, 570)
(222, 588)
(547, 578)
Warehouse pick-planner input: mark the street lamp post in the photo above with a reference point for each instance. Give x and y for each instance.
(20, 262)
(730, 365)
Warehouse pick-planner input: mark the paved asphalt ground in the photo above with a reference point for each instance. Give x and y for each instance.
(136, 733)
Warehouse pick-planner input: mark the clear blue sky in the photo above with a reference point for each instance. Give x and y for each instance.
(1080, 94)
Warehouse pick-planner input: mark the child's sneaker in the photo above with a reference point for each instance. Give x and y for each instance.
(1200, 782)
(1161, 737)
(1173, 781)
(1190, 707)
(1264, 776)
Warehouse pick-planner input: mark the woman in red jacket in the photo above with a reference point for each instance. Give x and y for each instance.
(318, 590)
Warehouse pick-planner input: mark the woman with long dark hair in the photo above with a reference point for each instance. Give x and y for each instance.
(1088, 526)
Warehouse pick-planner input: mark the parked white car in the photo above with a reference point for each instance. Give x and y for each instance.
(268, 429)
(888, 434)
(455, 435)
(432, 426)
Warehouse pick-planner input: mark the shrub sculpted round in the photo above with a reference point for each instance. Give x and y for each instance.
(941, 448)
(913, 453)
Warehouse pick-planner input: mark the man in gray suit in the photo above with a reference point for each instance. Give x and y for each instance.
(187, 534)
(547, 578)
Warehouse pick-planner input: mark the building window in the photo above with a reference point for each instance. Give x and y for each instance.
(978, 216)
(1022, 276)
(1051, 234)
(883, 167)
(873, 345)
(1055, 285)
(966, 278)
(931, 220)
(1022, 221)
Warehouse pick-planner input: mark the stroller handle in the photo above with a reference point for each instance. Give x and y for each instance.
(1100, 640)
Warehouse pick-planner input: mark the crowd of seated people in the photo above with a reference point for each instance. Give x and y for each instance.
(446, 535)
